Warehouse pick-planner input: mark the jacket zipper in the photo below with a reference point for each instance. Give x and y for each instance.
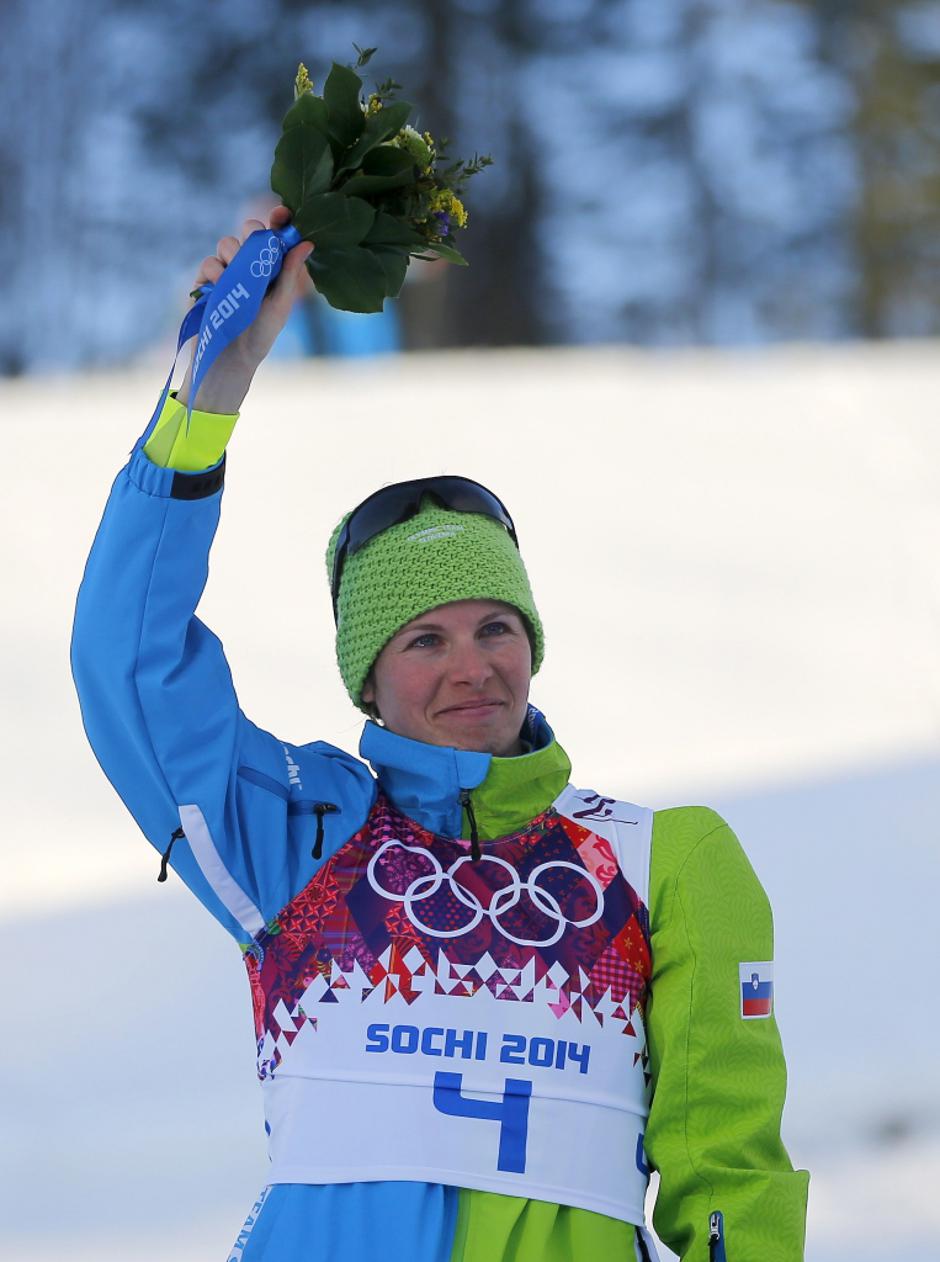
(165, 857)
(320, 809)
(475, 852)
(716, 1237)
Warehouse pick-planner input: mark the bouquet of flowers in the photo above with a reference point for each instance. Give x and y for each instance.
(369, 190)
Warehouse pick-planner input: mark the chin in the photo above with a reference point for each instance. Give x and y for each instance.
(501, 745)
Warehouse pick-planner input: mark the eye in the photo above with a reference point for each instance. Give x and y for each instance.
(427, 640)
(496, 628)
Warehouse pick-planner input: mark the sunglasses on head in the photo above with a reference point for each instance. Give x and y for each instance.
(394, 504)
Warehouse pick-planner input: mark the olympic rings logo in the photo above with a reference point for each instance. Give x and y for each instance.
(503, 900)
(269, 255)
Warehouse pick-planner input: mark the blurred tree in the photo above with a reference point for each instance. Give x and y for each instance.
(476, 99)
(716, 171)
(704, 172)
(46, 107)
(217, 112)
(896, 65)
(889, 55)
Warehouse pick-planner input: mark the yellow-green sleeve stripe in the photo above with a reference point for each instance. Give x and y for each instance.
(172, 446)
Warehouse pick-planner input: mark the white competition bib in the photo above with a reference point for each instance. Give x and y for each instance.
(426, 1017)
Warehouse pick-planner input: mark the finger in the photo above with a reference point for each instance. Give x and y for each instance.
(294, 259)
(250, 226)
(211, 268)
(286, 286)
(279, 216)
(227, 248)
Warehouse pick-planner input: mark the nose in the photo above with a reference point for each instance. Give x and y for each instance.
(469, 664)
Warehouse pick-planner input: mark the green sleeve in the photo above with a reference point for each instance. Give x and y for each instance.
(172, 446)
(719, 1080)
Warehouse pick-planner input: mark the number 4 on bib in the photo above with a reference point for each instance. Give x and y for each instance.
(512, 1113)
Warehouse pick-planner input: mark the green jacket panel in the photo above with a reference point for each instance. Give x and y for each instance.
(719, 1080)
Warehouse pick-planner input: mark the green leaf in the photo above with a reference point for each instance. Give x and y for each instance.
(446, 252)
(303, 166)
(341, 94)
(309, 110)
(334, 219)
(388, 122)
(395, 265)
(382, 169)
(363, 185)
(365, 55)
(349, 277)
(387, 160)
(387, 230)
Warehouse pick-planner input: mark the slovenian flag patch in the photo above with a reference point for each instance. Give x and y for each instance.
(757, 989)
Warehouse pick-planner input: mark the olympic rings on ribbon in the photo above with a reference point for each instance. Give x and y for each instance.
(268, 256)
(503, 900)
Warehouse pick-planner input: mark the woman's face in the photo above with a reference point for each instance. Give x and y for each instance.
(457, 675)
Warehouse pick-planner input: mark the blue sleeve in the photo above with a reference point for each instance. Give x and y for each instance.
(162, 716)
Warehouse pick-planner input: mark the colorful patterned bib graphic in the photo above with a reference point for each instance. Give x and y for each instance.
(545, 916)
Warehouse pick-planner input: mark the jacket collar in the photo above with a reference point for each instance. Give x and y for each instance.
(425, 781)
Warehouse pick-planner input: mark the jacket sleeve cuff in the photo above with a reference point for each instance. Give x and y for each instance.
(172, 446)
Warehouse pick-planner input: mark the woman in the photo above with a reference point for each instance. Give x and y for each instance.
(486, 1002)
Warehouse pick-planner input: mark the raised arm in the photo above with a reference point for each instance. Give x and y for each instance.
(156, 694)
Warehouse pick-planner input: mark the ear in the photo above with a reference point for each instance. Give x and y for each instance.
(368, 689)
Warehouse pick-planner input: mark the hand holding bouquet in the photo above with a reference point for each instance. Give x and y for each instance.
(366, 188)
(369, 190)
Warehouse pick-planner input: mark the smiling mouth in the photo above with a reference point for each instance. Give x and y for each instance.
(471, 708)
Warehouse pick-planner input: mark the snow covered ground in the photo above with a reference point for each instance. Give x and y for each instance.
(735, 559)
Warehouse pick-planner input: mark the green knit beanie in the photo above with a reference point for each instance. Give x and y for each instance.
(431, 559)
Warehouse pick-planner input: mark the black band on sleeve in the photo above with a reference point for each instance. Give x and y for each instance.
(196, 486)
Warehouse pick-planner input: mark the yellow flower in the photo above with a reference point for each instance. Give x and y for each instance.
(409, 140)
(374, 104)
(442, 200)
(302, 83)
(458, 211)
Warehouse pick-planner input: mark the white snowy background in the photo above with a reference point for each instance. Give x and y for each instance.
(735, 556)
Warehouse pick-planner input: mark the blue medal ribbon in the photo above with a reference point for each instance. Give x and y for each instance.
(224, 310)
